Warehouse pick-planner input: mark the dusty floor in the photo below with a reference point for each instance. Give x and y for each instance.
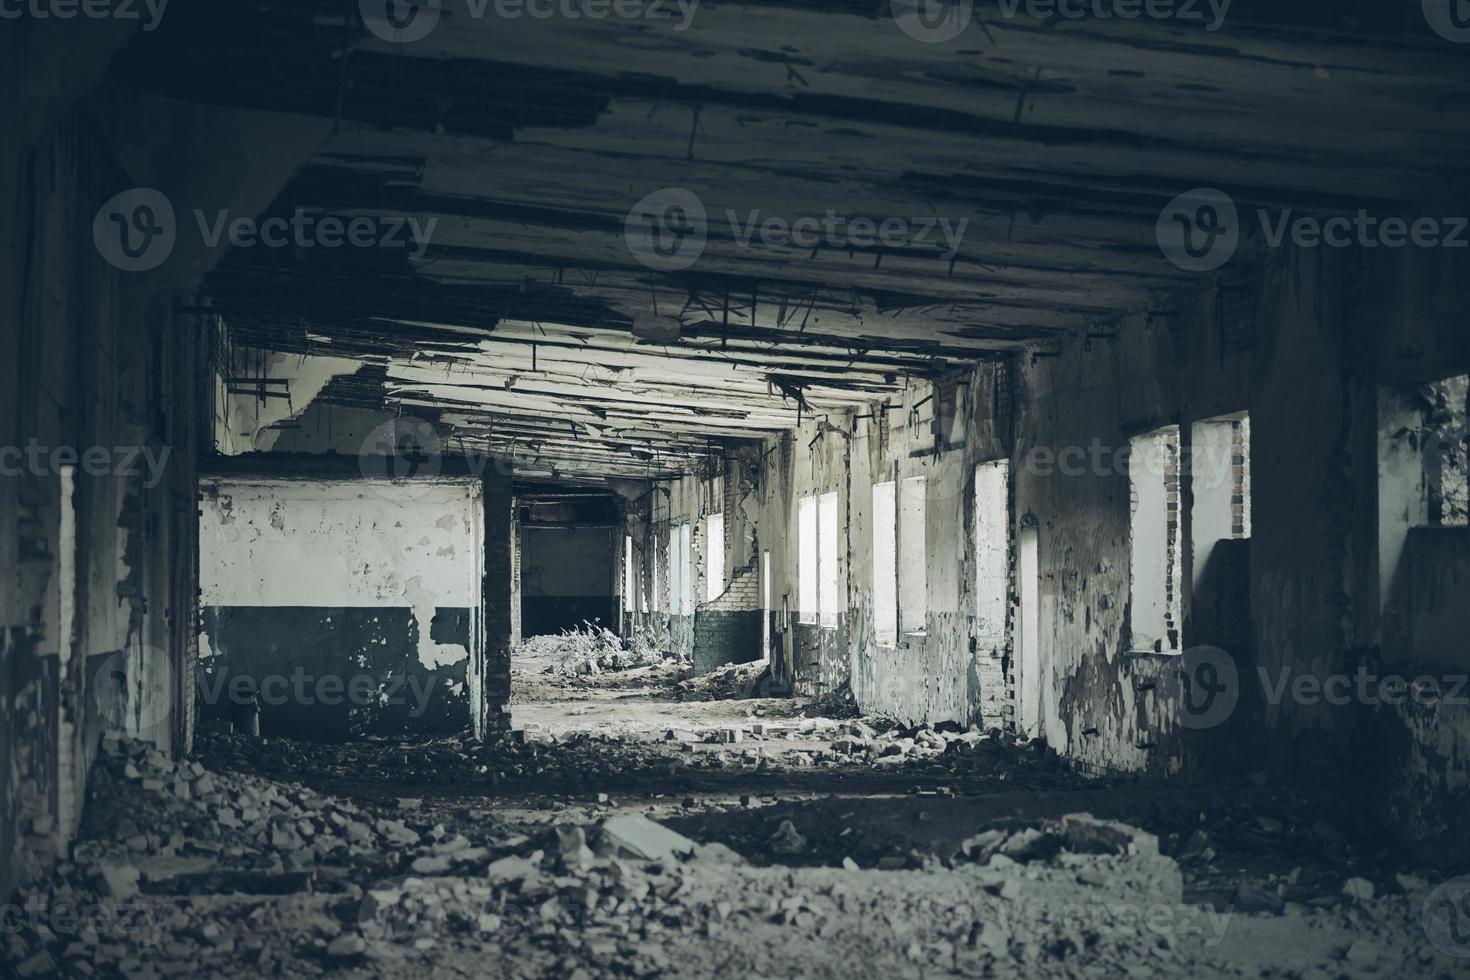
(785, 846)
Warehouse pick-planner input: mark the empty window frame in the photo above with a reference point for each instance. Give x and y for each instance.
(686, 570)
(765, 605)
(1155, 559)
(1219, 485)
(628, 594)
(650, 598)
(829, 598)
(673, 597)
(807, 607)
(992, 551)
(913, 587)
(885, 564)
(680, 588)
(714, 570)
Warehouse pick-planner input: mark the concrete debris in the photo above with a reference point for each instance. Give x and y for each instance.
(304, 882)
(729, 682)
(119, 881)
(589, 650)
(1076, 833)
(345, 947)
(635, 836)
(786, 839)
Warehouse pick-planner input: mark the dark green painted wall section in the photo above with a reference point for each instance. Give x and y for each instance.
(332, 674)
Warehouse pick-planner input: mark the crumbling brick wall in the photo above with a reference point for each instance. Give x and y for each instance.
(728, 630)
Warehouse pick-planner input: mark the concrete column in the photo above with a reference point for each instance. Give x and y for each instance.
(491, 713)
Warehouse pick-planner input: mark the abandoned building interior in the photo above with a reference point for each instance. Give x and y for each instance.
(801, 488)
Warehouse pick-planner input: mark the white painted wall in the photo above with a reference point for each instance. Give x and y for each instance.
(340, 543)
(345, 544)
(992, 541)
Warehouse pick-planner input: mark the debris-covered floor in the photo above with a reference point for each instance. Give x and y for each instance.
(621, 835)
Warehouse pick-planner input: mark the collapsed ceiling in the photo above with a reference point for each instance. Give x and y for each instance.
(1027, 162)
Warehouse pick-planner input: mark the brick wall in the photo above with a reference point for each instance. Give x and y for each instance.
(728, 629)
(1239, 480)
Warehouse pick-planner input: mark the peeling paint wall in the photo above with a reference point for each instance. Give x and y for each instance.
(1303, 344)
(335, 584)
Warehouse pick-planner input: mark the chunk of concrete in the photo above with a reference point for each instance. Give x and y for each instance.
(119, 881)
(635, 836)
(1082, 833)
(513, 868)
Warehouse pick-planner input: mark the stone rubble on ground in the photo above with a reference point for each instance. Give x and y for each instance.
(228, 873)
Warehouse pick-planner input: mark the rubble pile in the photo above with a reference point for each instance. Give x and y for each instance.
(840, 703)
(726, 683)
(577, 759)
(948, 749)
(589, 650)
(459, 760)
(182, 871)
(1015, 841)
(157, 806)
